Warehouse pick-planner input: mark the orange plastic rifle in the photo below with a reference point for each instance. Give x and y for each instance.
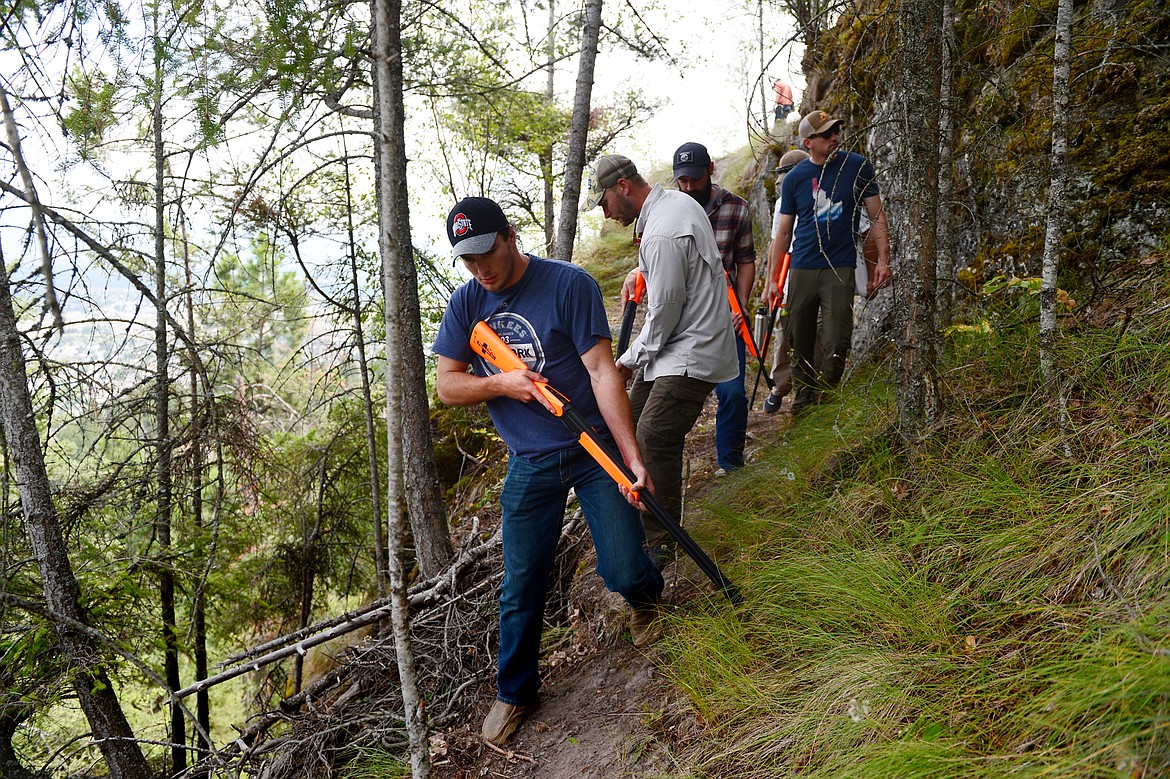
(629, 312)
(492, 348)
(745, 327)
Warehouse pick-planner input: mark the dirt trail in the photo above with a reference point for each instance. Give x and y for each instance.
(607, 712)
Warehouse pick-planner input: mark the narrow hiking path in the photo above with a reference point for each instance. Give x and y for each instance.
(607, 712)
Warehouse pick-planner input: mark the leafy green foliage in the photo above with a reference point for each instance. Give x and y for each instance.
(94, 100)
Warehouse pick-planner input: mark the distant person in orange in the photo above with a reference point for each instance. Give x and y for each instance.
(784, 103)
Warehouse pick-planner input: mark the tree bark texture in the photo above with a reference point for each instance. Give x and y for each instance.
(1058, 182)
(162, 443)
(396, 251)
(34, 203)
(199, 596)
(915, 280)
(95, 693)
(947, 261)
(424, 495)
(579, 132)
(546, 154)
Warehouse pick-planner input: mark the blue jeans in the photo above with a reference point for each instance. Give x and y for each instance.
(533, 501)
(731, 416)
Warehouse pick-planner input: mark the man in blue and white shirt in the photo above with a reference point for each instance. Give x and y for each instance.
(823, 197)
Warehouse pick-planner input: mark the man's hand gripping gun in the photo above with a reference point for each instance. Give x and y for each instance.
(629, 312)
(492, 348)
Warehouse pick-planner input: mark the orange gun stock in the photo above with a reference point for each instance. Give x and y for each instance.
(745, 329)
(492, 348)
(628, 313)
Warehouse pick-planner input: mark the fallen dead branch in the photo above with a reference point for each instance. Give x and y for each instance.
(357, 706)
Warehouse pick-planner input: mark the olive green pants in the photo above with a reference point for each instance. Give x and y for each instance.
(664, 411)
(829, 292)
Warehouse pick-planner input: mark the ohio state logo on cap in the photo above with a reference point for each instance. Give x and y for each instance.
(460, 224)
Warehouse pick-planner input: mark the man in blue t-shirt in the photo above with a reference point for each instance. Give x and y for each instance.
(551, 314)
(823, 196)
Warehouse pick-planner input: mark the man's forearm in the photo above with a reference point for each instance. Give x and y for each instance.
(881, 236)
(745, 279)
(457, 388)
(614, 405)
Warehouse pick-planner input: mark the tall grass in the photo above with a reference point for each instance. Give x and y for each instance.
(982, 605)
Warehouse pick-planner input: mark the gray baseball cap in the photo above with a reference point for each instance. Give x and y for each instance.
(604, 175)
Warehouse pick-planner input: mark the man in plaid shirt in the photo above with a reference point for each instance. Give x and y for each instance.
(731, 219)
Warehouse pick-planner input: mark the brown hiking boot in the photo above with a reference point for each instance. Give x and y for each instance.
(502, 721)
(645, 627)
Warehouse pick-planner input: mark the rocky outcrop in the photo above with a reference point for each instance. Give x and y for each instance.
(1119, 192)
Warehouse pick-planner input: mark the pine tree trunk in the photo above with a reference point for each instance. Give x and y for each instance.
(367, 399)
(424, 494)
(162, 444)
(947, 260)
(579, 131)
(95, 693)
(915, 280)
(546, 154)
(396, 251)
(199, 596)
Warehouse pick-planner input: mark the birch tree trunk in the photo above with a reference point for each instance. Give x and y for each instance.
(947, 278)
(395, 248)
(579, 131)
(1058, 180)
(92, 684)
(915, 280)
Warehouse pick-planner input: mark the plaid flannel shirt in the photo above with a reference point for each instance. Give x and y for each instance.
(731, 219)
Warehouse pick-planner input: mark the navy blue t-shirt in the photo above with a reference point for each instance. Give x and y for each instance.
(826, 201)
(552, 316)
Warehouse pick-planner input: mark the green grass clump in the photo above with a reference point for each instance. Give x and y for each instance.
(609, 258)
(992, 602)
(372, 763)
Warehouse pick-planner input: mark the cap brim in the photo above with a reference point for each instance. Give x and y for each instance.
(690, 171)
(592, 201)
(476, 244)
(829, 125)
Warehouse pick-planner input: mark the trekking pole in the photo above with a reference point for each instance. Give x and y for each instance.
(629, 312)
(779, 303)
(492, 348)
